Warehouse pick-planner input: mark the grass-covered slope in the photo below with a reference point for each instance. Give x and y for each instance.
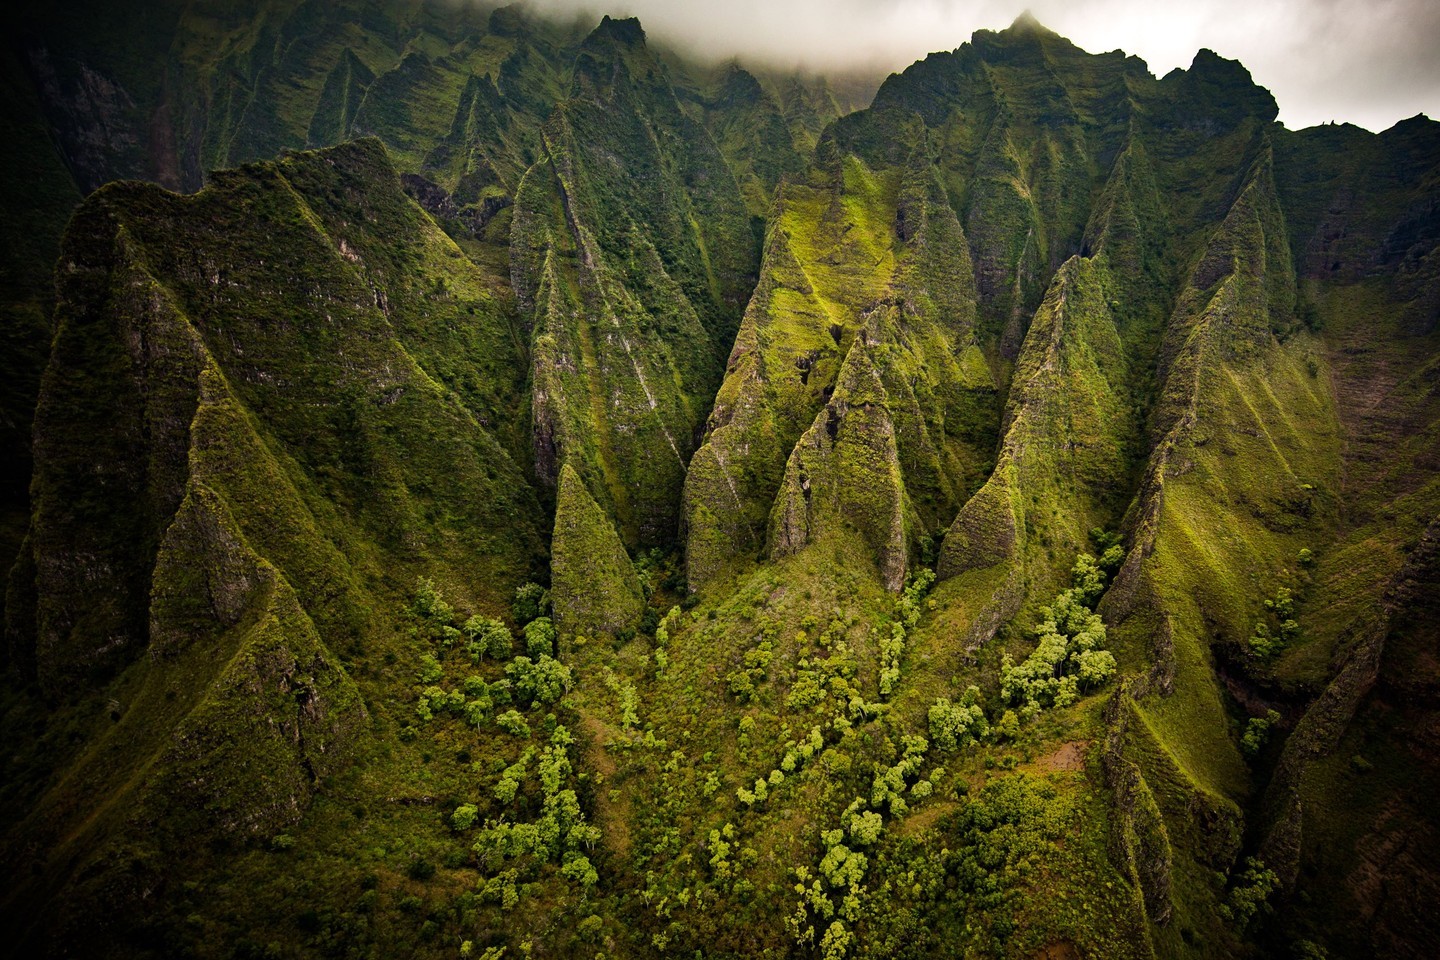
(594, 589)
(1341, 839)
(459, 94)
(855, 261)
(340, 339)
(1049, 572)
(265, 414)
(1174, 380)
(631, 253)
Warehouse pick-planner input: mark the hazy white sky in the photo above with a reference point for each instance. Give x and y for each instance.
(1368, 62)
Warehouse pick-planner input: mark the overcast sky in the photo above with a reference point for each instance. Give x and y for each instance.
(1367, 62)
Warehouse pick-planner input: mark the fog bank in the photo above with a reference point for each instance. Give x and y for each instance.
(1367, 62)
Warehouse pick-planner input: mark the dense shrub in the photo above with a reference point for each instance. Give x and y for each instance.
(1069, 657)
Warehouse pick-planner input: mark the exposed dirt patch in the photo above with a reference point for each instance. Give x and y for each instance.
(926, 818)
(1069, 757)
(597, 734)
(612, 817)
(1059, 950)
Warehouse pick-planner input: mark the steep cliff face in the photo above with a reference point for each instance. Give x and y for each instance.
(593, 585)
(466, 101)
(632, 249)
(1168, 292)
(298, 281)
(1069, 422)
(266, 410)
(1031, 125)
(853, 255)
(845, 473)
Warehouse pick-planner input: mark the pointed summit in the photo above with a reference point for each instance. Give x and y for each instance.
(593, 584)
(625, 32)
(1027, 25)
(614, 43)
(1222, 89)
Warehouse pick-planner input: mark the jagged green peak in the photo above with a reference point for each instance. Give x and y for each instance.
(739, 87)
(1033, 293)
(615, 49)
(365, 155)
(623, 32)
(1025, 34)
(593, 583)
(1224, 88)
(859, 382)
(351, 62)
(1217, 69)
(964, 80)
(511, 21)
(482, 85)
(1207, 61)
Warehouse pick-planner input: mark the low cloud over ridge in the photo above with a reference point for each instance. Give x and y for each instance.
(1367, 62)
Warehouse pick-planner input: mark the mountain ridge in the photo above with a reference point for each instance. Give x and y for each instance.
(641, 498)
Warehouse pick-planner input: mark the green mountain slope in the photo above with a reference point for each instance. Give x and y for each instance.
(247, 514)
(613, 300)
(460, 97)
(599, 504)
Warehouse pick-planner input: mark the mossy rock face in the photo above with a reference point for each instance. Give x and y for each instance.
(103, 495)
(851, 253)
(630, 253)
(336, 345)
(235, 530)
(280, 700)
(845, 472)
(295, 367)
(459, 97)
(227, 734)
(1068, 425)
(592, 581)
